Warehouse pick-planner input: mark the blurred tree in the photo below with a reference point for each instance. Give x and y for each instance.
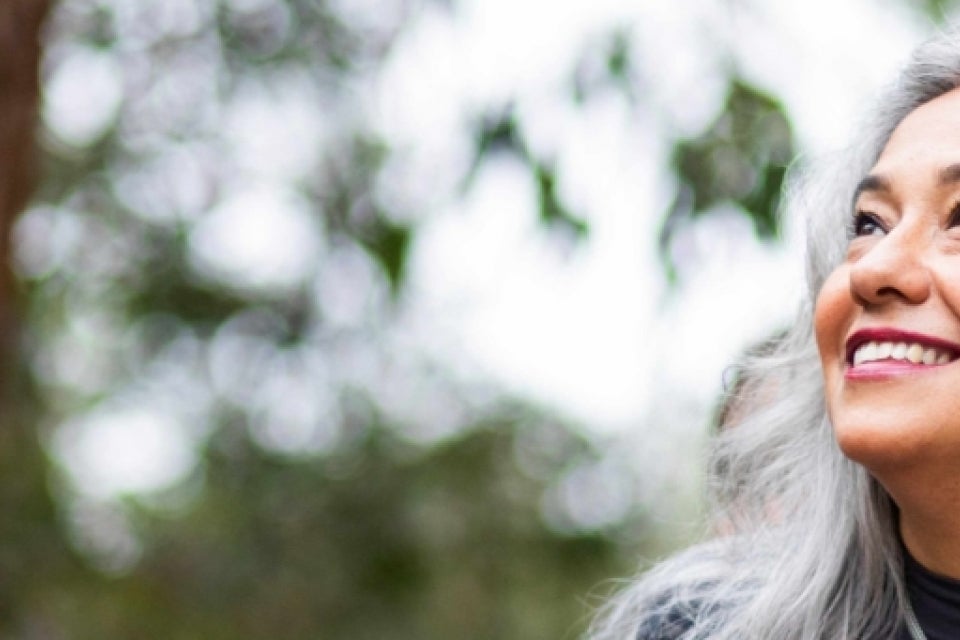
(740, 159)
(20, 23)
(382, 539)
(333, 486)
(34, 553)
(312, 508)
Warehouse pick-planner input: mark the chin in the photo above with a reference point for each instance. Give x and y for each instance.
(893, 447)
(884, 445)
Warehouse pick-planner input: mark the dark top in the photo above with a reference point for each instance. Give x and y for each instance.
(669, 626)
(935, 600)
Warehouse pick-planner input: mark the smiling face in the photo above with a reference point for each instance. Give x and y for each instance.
(888, 317)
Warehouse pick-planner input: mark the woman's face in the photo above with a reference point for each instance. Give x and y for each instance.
(888, 318)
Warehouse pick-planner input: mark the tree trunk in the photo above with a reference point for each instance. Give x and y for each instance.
(34, 553)
(21, 23)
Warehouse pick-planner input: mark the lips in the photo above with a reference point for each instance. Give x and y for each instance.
(885, 345)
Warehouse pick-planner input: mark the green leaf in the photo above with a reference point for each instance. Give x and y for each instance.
(389, 243)
(553, 213)
(740, 159)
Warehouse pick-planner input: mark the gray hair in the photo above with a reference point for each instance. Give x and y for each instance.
(805, 543)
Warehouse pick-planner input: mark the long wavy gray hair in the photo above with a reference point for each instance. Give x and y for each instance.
(806, 543)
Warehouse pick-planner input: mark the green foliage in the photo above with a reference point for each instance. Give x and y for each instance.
(938, 10)
(608, 64)
(500, 133)
(739, 160)
(356, 531)
(390, 244)
(375, 540)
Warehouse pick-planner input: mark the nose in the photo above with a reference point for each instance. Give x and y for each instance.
(891, 270)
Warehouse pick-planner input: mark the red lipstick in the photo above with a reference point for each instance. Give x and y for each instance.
(879, 369)
(886, 334)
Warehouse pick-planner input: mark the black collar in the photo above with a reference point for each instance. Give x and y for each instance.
(935, 599)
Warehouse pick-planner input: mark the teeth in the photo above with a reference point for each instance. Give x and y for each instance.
(865, 353)
(913, 352)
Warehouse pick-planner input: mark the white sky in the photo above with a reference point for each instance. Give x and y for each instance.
(595, 333)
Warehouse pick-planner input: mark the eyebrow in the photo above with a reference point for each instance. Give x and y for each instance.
(949, 174)
(874, 183)
(878, 183)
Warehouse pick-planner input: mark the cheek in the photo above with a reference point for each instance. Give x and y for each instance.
(833, 316)
(946, 276)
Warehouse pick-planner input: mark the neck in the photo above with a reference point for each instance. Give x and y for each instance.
(930, 528)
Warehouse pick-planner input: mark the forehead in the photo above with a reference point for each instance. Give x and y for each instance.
(929, 137)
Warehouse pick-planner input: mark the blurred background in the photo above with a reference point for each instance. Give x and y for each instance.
(405, 319)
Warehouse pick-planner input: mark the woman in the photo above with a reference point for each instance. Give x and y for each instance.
(838, 491)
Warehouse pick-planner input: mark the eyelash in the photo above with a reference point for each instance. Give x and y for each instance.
(862, 218)
(953, 219)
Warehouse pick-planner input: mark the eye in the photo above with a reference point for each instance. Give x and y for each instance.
(866, 224)
(954, 219)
